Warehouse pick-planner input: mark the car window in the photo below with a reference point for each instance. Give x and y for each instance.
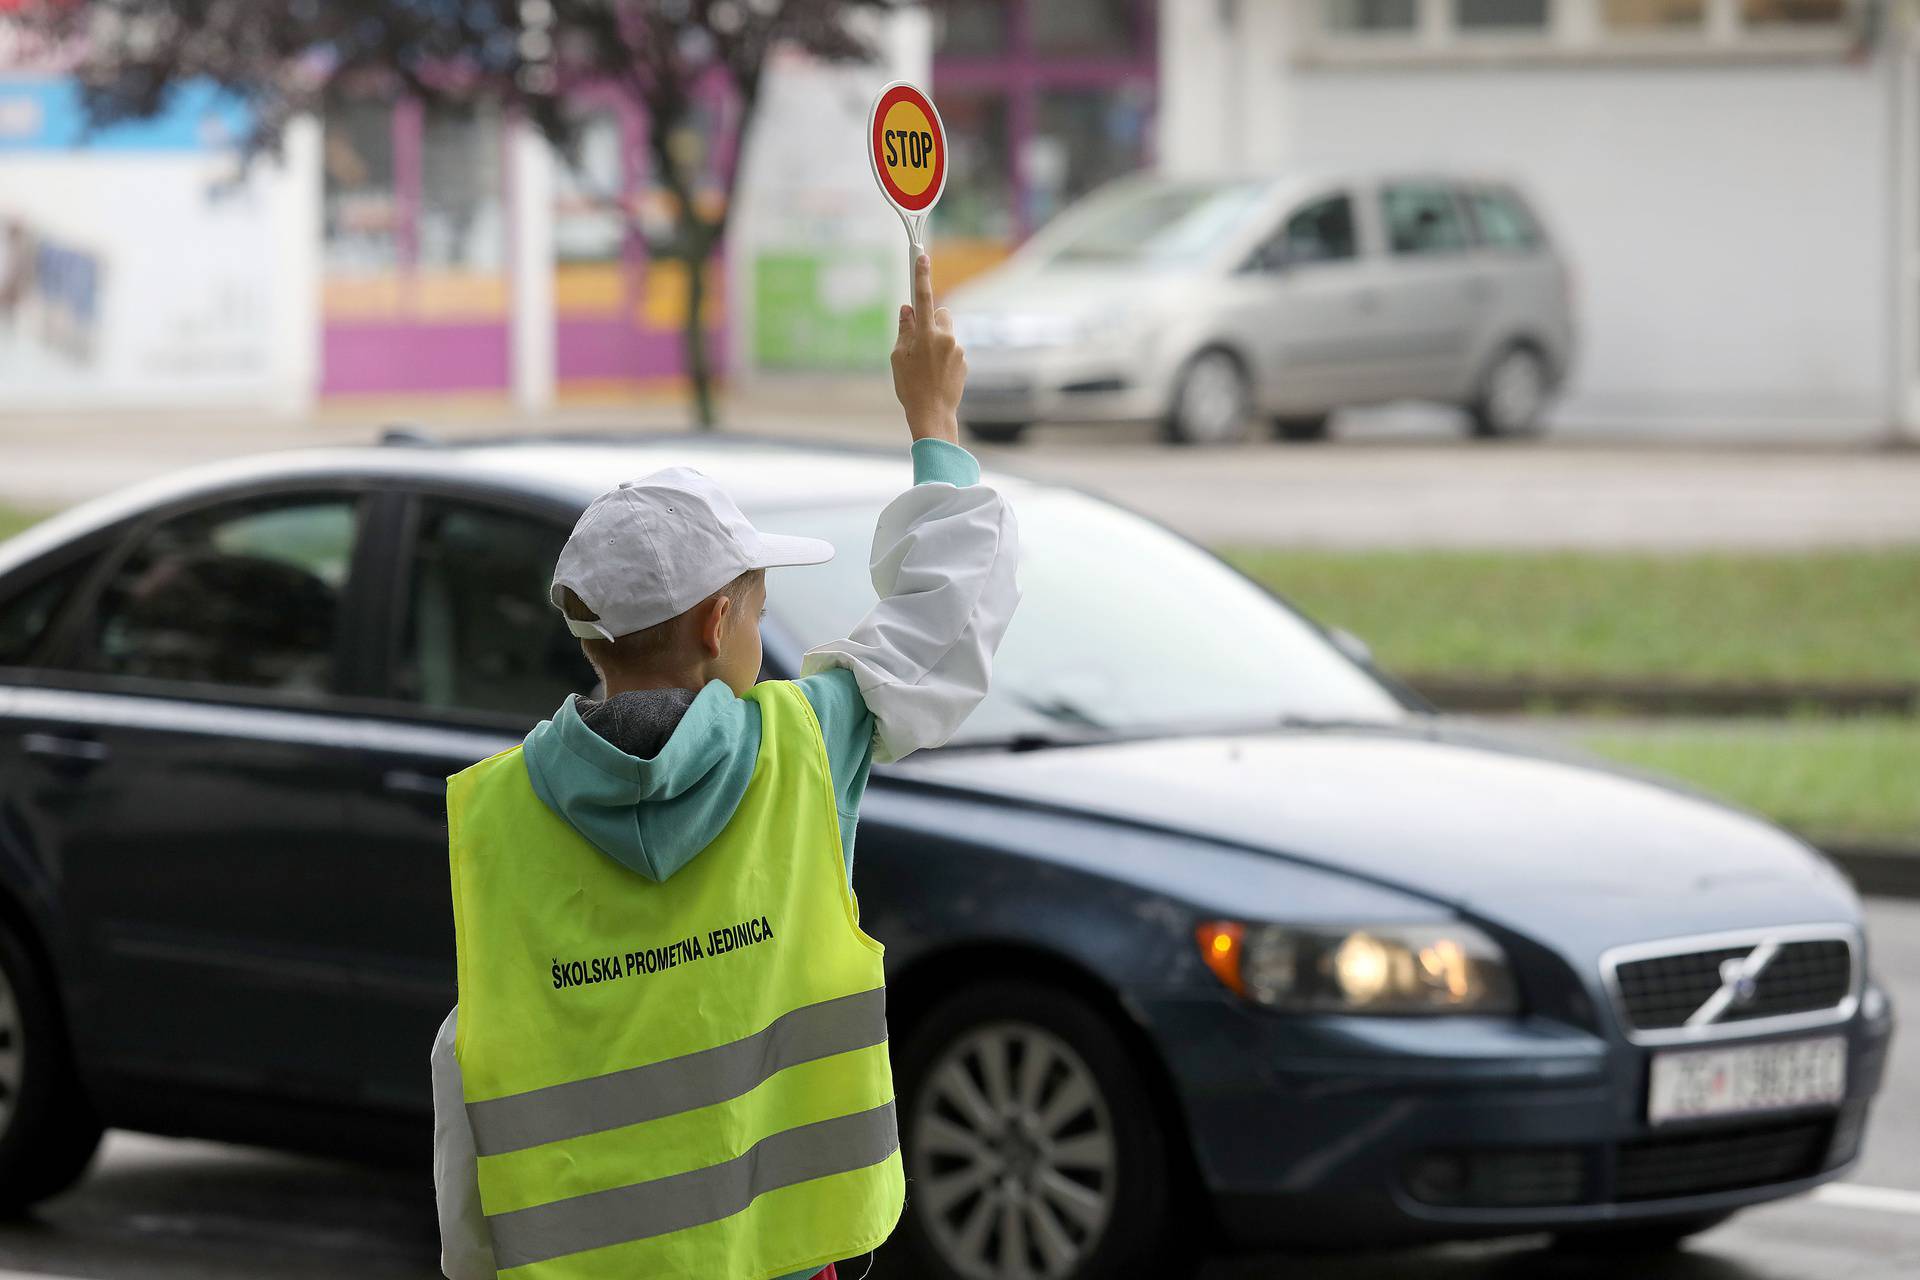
(1422, 217)
(1501, 220)
(25, 617)
(1320, 231)
(245, 595)
(479, 634)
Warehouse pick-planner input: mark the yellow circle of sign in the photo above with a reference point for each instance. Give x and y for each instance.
(909, 147)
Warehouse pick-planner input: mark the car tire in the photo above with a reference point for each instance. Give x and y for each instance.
(48, 1129)
(995, 432)
(1512, 395)
(1302, 430)
(985, 1153)
(1211, 401)
(1644, 1238)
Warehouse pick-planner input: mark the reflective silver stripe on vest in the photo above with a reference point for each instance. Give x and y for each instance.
(666, 1088)
(682, 1200)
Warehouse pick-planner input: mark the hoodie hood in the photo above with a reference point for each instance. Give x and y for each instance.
(649, 777)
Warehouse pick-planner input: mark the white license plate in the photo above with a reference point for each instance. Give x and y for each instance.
(1696, 1083)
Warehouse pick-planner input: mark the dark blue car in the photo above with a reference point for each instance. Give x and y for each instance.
(1202, 930)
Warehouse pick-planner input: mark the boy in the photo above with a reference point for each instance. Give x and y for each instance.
(669, 1057)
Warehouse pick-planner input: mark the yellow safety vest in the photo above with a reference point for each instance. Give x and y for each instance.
(681, 1079)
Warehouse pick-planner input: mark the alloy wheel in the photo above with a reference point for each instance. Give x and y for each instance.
(1013, 1157)
(1516, 391)
(1213, 401)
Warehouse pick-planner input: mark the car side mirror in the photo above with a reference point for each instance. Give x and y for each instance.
(1351, 645)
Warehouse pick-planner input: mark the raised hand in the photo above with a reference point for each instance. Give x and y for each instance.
(929, 367)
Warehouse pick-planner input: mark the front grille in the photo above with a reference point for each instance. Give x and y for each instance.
(1661, 992)
(1660, 1168)
(1649, 1169)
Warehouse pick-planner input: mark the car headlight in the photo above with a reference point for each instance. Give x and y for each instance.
(1383, 969)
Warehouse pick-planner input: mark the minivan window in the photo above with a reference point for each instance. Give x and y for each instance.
(479, 634)
(1319, 232)
(1501, 221)
(244, 595)
(1422, 218)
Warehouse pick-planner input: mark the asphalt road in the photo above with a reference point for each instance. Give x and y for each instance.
(1395, 477)
(156, 1209)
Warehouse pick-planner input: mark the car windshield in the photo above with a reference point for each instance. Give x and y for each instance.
(1156, 225)
(1123, 629)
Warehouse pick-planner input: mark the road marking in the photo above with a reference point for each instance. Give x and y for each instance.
(1884, 1199)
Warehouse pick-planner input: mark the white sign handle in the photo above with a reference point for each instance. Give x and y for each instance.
(916, 225)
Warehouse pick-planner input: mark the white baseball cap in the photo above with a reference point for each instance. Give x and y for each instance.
(655, 547)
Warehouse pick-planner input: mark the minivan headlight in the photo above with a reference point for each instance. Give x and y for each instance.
(1380, 969)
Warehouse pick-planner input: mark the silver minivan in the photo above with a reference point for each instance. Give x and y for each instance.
(1204, 305)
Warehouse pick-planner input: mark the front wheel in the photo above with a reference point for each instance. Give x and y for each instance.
(1211, 402)
(1033, 1149)
(48, 1132)
(1513, 394)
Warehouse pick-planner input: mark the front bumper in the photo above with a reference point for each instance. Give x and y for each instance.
(1061, 385)
(1342, 1131)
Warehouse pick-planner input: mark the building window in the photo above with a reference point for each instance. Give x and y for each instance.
(1371, 15)
(590, 190)
(978, 201)
(1082, 27)
(1653, 15)
(1760, 13)
(1501, 15)
(1083, 139)
(970, 29)
(362, 214)
(462, 220)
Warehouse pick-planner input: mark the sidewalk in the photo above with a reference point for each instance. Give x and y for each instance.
(1393, 478)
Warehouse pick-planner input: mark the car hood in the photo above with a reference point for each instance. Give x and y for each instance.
(1491, 828)
(1073, 291)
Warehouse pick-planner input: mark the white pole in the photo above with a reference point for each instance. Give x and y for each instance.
(297, 297)
(531, 336)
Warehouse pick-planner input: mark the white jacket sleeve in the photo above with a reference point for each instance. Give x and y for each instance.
(466, 1250)
(944, 560)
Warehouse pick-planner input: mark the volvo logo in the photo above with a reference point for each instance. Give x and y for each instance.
(1740, 985)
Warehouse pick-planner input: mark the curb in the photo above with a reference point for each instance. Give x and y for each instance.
(1663, 698)
(1879, 871)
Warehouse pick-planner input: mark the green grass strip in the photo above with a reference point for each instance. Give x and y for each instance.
(1831, 615)
(1854, 779)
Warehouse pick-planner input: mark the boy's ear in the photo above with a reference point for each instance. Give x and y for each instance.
(713, 622)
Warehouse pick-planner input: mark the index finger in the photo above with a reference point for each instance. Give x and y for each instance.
(922, 291)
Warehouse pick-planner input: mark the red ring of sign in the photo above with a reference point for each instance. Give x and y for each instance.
(907, 93)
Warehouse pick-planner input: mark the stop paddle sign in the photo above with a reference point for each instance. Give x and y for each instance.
(907, 147)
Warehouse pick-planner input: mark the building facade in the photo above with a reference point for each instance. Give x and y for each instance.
(1736, 182)
(1733, 180)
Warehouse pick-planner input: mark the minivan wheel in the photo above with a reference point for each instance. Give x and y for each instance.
(1302, 429)
(1513, 394)
(48, 1131)
(1032, 1148)
(1211, 403)
(995, 432)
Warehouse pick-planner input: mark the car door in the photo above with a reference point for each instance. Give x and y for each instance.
(473, 657)
(1307, 305)
(1436, 293)
(186, 766)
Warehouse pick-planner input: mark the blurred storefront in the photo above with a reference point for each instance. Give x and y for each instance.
(1044, 100)
(1737, 182)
